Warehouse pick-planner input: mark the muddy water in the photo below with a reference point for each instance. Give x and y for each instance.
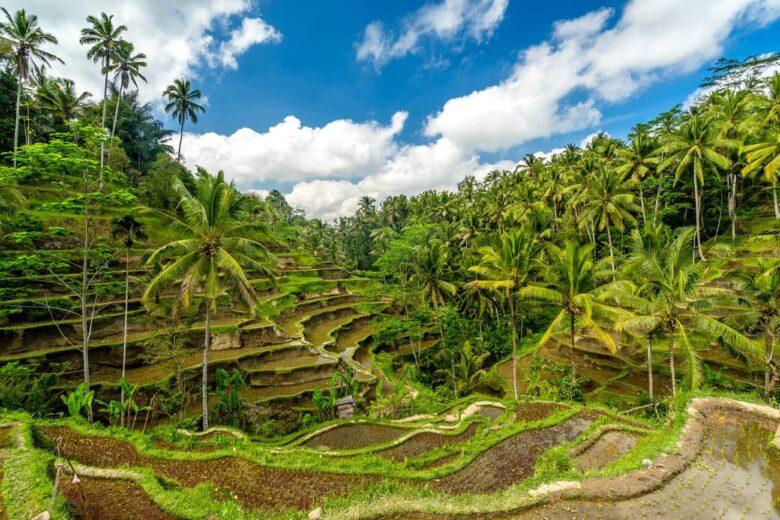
(735, 476)
(351, 337)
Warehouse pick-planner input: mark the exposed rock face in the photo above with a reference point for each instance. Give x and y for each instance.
(226, 341)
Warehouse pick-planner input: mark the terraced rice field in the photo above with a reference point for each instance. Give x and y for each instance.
(425, 442)
(111, 500)
(736, 475)
(253, 485)
(608, 448)
(511, 460)
(354, 436)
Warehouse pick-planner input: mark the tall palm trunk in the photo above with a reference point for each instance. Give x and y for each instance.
(768, 355)
(733, 206)
(16, 124)
(650, 368)
(697, 215)
(774, 198)
(85, 322)
(571, 336)
(181, 136)
(103, 115)
(205, 382)
(124, 329)
(642, 203)
(671, 363)
(513, 318)
(116, 110)
(611, 251)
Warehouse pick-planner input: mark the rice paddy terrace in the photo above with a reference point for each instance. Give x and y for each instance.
(308, 322)
(477, 459)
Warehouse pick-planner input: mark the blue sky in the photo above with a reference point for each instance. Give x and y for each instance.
(327, 101)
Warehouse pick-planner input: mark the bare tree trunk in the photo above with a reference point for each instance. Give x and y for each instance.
(650, 369)
(116, 110)
(16, 125)
(103, 116)
(512, 318)
(768, 355)
(733, 206)
(774, 198)
(571, 334)
(642, 203)
(85, 329)
(206, 347)
(697, 216)
(181, 137)
(124, 329)
(657, 200)
(611, 251)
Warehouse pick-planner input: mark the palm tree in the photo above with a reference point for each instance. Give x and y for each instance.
(762, 286)
(430, 275)
(126, 67)
(62, 99)
(214, 250)
(26, 39)
(366, 206)
(729, 109)
(103, 38)
(182, 100)
(506, 268)
(677, 291)
(765, 154)
(609, 201)
(126, 229)
(575, 283)
(638, 160)
(694, 149)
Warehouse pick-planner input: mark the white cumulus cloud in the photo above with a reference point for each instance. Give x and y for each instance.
(291, 152)
(177, 36)
(446, 21)
(556, 85)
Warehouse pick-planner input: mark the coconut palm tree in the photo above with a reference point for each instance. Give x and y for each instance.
(765, 154)
(182, 100)
(761, 284)
(694, 149)
(63, 101)
(506, 268)
(103, 37)
(729, 109)
(26, 40)
(127, 230)
(637, 160)
(575, 282)
(430, 274)
(126, 67)
(609, 201)
(675, 293)
(214, 249)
